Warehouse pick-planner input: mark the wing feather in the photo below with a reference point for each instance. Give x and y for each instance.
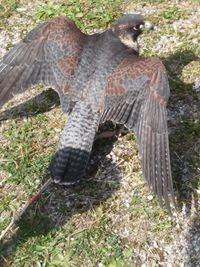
(142, 107)
(36, 59)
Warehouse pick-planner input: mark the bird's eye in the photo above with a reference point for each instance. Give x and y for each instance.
(137, 27)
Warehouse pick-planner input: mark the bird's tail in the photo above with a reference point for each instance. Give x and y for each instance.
(73, 152)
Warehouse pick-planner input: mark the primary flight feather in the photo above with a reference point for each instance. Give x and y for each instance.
(98, 77)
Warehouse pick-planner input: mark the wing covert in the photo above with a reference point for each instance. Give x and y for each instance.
(48, 55)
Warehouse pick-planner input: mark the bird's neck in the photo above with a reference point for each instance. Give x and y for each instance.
(121, 44)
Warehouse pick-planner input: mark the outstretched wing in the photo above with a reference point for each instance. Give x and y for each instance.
(48, 55)
(136, 95)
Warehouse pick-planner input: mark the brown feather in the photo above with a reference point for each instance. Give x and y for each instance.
(143, 108)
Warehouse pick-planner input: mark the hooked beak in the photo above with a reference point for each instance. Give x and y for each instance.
(148, 26)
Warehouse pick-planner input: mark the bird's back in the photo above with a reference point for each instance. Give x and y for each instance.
(101, 55)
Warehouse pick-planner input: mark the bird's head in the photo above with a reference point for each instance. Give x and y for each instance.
(129, 27)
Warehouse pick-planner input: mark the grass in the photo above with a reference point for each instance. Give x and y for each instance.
(23, 145)
(87, 15)
(112, 221)
(171, 14)
(7, 7)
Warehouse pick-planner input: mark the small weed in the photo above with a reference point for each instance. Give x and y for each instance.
(172, 13)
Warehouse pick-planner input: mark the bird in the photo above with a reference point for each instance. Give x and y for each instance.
(99, 77)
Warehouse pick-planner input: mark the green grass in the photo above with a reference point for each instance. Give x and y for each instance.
(87, 15)
(171, 14)
(114, 221)
(7, 7)
(23, 146)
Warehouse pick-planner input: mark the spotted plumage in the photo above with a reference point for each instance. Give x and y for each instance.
(98, 77)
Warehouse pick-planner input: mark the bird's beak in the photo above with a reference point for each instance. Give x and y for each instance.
(148, 26)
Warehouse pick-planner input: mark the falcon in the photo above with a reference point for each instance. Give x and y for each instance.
(99, 78)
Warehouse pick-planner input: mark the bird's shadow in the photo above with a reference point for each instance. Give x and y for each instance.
(184, 128)
(52, 211)
(40, 103)
(192, 257)
(184, 139)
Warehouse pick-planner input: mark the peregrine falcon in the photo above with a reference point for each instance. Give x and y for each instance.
(98, 77)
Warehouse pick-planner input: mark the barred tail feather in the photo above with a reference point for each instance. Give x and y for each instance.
(73, 152)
